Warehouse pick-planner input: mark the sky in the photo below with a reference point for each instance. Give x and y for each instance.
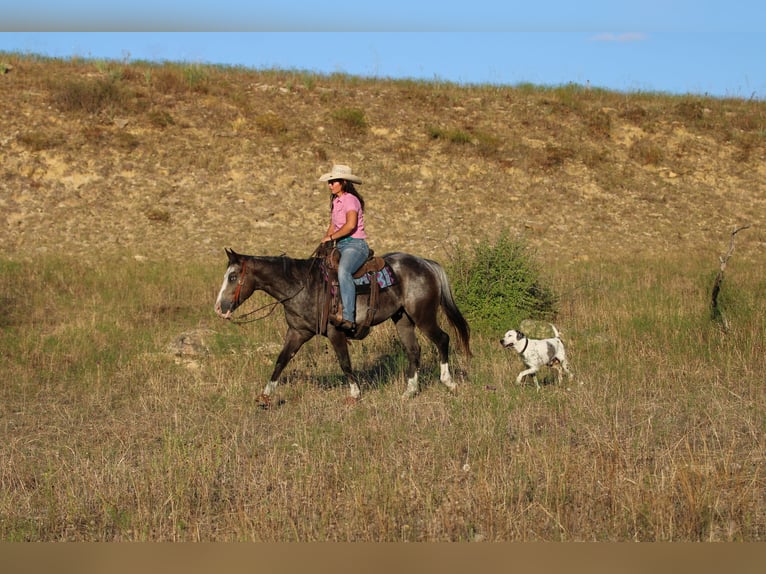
(703, 47)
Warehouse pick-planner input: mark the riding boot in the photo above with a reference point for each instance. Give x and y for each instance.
(337, 318)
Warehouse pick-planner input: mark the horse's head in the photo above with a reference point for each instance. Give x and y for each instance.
(238, 284)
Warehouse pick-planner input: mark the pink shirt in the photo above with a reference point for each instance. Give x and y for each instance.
(340, 207)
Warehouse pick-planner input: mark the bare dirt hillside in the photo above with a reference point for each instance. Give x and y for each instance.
(110, 159)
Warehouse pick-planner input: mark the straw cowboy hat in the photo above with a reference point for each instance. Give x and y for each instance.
(340, 172)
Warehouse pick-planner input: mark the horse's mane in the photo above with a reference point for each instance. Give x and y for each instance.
(292, 268)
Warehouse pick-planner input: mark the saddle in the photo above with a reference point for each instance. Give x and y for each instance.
(330, 305)
(373, 264)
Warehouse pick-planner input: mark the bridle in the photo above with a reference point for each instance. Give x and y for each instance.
(243, 319)
(240, 282)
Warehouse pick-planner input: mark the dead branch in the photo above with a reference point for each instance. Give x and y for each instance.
(716, 312)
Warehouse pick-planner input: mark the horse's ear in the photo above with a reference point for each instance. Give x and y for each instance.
(233, 257)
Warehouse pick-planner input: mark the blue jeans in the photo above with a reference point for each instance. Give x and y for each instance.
(353, 252)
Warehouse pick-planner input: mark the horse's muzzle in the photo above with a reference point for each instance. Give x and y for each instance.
(220, 312)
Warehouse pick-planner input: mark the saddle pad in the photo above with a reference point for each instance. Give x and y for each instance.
(384, 277)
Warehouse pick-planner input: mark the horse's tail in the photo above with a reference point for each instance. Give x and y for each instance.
(454, 316)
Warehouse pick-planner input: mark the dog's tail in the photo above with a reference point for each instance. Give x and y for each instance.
(555, 331)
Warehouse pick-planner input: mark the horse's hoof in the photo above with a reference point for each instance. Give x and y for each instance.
(264, 401)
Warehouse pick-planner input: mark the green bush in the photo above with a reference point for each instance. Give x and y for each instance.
(351, 118)
(498, 285)
(455, 136)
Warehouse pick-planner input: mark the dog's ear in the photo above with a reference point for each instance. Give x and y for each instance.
(521, 335)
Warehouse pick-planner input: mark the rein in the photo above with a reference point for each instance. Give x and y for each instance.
(242, 320)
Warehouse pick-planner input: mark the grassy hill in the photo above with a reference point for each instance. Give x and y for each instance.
(156, 160)
(128, 410)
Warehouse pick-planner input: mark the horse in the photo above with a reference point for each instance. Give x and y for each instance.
(420, 289)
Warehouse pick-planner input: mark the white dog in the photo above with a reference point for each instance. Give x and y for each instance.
(537, 353)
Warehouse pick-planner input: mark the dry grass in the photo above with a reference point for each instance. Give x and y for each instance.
(116, 215)
(108, 436)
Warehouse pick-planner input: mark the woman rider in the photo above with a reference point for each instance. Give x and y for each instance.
(347, 230)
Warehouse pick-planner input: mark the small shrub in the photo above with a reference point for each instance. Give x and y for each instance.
(196, 77)
(635, 114)
(161, 119)
(599, 124)
(38, 141)
(436, 133)
(452, 136)
(691, 110)
(271, 124)
(459, 137)
(94, 134)
(488, 145)
(550, 156)
(125, 141)
(90, 96)
(569, 96)
(645, 152)
(167, 80)
(747, 145)
(498, 285)
(158, 214)
(595, 158)
(351, 118)
(308, 81)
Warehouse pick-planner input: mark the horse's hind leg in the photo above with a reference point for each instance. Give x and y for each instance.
(406, 330)
(441, 339)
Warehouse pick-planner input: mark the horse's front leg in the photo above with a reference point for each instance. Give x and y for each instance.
(340, 346)
(294, 340)
(406, 330)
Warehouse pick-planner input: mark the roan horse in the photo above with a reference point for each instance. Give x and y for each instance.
(421, 287)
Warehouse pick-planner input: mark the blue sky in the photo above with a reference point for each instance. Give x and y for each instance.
(672, 46)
